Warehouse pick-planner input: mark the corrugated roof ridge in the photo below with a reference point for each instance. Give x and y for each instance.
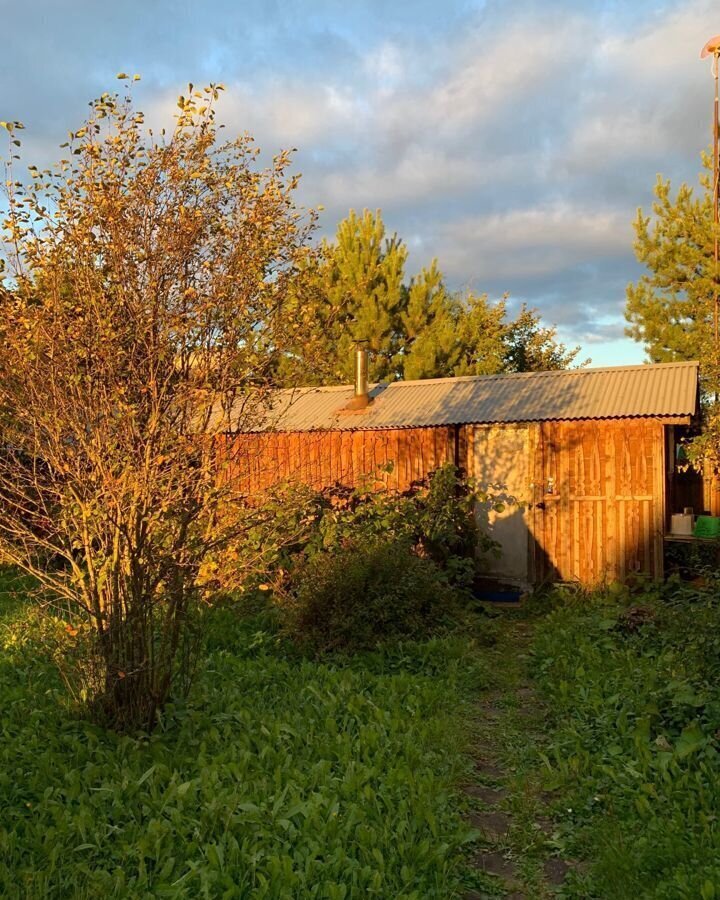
(589, 370)
(552, 373)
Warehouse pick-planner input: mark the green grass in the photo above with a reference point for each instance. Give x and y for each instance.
(281, 777)
(511, 739)
(632, 749)
(284, 777)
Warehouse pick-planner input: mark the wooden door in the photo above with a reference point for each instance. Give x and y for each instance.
(500, 463)
(597, 510)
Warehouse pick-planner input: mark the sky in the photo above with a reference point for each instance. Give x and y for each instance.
(512, 141)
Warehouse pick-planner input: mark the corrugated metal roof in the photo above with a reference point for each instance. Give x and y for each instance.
(666, 389)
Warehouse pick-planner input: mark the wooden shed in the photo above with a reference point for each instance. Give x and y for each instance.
(587, 459)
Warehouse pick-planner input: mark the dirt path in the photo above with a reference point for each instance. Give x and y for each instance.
(515, 855)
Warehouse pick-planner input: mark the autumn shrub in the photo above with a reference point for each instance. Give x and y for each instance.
(149, 285)
(264, 541)
(365, 594)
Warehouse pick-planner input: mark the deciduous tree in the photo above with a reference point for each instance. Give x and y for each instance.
(152, 283)
(531, 346)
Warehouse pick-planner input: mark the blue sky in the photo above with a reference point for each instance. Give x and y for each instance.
(513, 141)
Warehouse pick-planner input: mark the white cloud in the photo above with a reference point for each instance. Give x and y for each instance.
(649, 97)
(384, 65)
(512, 141)
(612, 137)
(420, 173)
(661, 50)
(523, 244)
(493, 72)
(280, 114)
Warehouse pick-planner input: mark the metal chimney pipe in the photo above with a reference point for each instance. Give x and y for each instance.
(361, 373)
(361, 395)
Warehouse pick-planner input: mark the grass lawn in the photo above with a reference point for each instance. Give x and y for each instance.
(632, 684)
(282, 777)
(597, 746)
(586, 739)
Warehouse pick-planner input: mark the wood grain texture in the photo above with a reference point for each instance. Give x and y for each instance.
(389, 458)
(603, 520)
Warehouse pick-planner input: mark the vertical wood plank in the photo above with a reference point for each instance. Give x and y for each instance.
(659, 502)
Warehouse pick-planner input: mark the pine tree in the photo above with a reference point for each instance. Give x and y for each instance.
(364, 280)
(670, 308)
(429, 322)
(418, 330)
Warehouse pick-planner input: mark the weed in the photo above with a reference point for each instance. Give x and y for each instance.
(633, 685)
(281, 777)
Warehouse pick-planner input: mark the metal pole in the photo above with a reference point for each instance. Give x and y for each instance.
(712, 48)
(716, 197)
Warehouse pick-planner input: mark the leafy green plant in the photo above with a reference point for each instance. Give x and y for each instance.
(281, 777)
(363, 595)
(633, 680)
(436, 518)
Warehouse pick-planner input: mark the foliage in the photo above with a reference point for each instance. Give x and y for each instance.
(466, 334)
(358, 297)
(282, 778)
(632, 680)
(444, 520)
(151, 285)
(429, 327)
(363, 271)
(414, 329)
(363, 595)
(533, 347)
(435, 518)
(670, 308)
(264, 540)
(703, 450)
(376, 567)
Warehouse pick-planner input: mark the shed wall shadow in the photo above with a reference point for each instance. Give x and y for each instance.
(592, 508)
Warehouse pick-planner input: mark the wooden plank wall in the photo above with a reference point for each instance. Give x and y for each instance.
(603, 521)
(605, 517)
(319, 459)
